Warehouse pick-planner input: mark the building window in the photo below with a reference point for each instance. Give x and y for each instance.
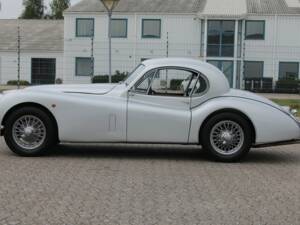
(253, 69)
(288, 70)
(84, 66)
(220, 38)
(43, 71)
(255, 30)
(202, 51)
(151, 28)
(226, 66)
(84, 27)
(119, 28)
(240, 38)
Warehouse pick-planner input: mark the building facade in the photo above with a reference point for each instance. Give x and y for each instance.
(246, 39)
(40, 43)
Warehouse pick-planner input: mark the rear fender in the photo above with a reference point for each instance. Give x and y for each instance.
(270, 123)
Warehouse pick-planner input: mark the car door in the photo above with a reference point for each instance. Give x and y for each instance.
(159, 107)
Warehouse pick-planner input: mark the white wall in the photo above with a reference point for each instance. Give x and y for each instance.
(282, 43)
(9, 65)
(184, 40)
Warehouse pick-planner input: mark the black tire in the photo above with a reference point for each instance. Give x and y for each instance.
(241, 150)
(50, 137)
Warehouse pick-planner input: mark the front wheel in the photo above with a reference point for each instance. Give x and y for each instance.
(29, 131)
(227, 136)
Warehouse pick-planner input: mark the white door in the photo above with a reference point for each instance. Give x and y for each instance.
(159, 107)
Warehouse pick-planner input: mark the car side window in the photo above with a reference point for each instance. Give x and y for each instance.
(173, 82)
(142, 86)
(200, 86)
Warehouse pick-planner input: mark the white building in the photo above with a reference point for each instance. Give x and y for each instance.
(244, 38)
(41, 50)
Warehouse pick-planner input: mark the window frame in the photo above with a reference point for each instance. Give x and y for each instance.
(220, 63)
(85, 36)
(254, 61)
(220, 34)
(76, 70)
(121, 19)
(141, 80)
(191, 94)
(264, 30)
(147, 37)
(289, 62)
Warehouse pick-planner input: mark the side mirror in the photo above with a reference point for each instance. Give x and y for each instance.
(131, 91)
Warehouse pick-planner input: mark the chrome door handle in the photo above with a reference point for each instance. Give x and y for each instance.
(187, 103)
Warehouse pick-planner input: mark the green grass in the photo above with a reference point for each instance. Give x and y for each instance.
(292, 103)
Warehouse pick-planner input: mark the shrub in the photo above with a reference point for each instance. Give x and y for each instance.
(100, 79)
(15, 82)
(58, 81)
(287, 86)
(175, 84)
(116, 78)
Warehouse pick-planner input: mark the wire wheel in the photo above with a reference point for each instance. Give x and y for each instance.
(29, 132)
(227, 137)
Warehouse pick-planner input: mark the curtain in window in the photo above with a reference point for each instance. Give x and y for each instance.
(119, 28)
(85, 27)
(84, 67)
(151, 28)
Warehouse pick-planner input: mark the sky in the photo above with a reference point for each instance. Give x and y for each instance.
(11, 9)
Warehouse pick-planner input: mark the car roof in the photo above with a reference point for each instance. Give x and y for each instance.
(180, 62)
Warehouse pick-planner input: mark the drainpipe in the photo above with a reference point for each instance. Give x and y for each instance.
(243, 52)
(274, 49)
(205, 39)
(135, 40)
(235, 53)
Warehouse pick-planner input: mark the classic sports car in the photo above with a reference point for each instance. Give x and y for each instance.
(148, 107)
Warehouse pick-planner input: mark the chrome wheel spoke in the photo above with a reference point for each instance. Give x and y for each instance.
(29, 132)
(227, 137)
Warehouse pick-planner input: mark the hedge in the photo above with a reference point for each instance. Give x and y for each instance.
(15, 82)
(105, 78)
(287, 86)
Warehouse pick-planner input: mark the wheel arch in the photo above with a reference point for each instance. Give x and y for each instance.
(35, 105)
(230, 110)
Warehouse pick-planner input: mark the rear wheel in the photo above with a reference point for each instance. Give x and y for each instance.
(29, 131)
(227, 136)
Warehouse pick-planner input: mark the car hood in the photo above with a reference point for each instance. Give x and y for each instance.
(252, 96)
(100, 89)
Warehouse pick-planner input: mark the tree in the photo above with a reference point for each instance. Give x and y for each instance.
(34, 9)
(58, 7)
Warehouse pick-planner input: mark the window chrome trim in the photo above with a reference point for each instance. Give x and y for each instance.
(178, 68)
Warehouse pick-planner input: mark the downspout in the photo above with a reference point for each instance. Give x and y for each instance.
(235, 53)
(274, 48)
(205, 40)
(135, 40)
(243, 52)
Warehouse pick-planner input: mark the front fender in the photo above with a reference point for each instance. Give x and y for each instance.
(12, 99)
(270, 123)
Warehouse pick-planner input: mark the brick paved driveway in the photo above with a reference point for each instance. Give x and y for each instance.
(149, 185)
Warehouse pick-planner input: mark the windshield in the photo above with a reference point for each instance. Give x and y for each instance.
(134, 74)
